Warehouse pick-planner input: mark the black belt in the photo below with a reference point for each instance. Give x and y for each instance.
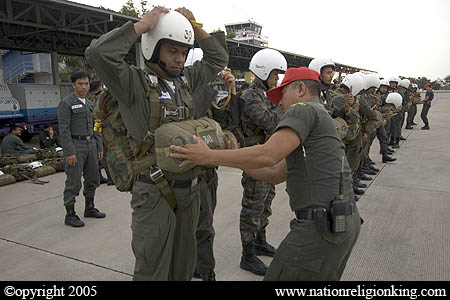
(180, 184)
(308, 214)
(82, 137)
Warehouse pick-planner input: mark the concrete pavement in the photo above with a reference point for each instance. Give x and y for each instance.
(405, 235)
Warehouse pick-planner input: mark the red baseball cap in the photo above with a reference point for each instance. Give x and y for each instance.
(426, 85)
(291, 75)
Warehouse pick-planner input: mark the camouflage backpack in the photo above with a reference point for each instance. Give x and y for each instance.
(352, 132)
(47, 153)
(6, 179)
(341, 127)
(26, 158)
(416, 98)
(371, 125)
(6, 160)
(25, 171)
(57, 163)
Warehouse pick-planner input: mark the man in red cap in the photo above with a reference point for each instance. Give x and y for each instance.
(307, 153)
(429, 96)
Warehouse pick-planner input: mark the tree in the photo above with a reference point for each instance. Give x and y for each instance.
(421, 81)
(69, 64)
(144, 9)
(436, 85)
(129, 9)
(447, 82)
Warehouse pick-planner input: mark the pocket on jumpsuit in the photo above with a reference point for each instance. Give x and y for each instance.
(296, 260)
(143, 230)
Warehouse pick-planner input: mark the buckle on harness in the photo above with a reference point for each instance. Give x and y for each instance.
(156, 174)
(180, 112)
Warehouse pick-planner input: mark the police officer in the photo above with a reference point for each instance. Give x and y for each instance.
(306, 152)
(48, 138)
(429, 96)
(326, 68)
(82, 148)
(13, 145)
(163, 239)
(259, 119)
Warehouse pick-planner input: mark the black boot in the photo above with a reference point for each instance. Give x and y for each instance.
(361, 176)
(358, 184)
(211, 276)
(367, 171)
(374, 168)
(71, 218)
(370, 165)
(392, 141)
(261, 245)
(396, 144)
(196, 275)
(426, 127)
(387, 159)
(402, 138)
(103, 180)
(250, 262)
(358, 191)
(90, 211)
(109, 180)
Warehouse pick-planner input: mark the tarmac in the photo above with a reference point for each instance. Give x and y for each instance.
(405, 236)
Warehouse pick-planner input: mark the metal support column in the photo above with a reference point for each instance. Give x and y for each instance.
(55, 69)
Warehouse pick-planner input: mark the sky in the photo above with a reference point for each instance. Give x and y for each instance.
(408, 38)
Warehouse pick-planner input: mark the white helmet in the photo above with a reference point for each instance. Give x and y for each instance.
(371, 80)
(405, 83)
(396, 99)
(265, 61)
(171, 26)
(318, 63)
(194, 55)
(394, 79)
(354, 82)
(384, 82)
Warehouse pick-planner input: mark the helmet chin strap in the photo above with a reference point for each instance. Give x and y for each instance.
(266, 85)
(162, 65)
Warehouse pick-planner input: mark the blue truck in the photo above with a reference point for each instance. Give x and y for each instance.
(29, 105)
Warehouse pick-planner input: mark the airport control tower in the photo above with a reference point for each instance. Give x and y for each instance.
(247, 32)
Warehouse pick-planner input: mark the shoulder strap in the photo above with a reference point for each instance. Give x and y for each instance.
(150, 82)
(191, 108)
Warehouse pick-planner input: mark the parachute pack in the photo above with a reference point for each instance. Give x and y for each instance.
(126, 157)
